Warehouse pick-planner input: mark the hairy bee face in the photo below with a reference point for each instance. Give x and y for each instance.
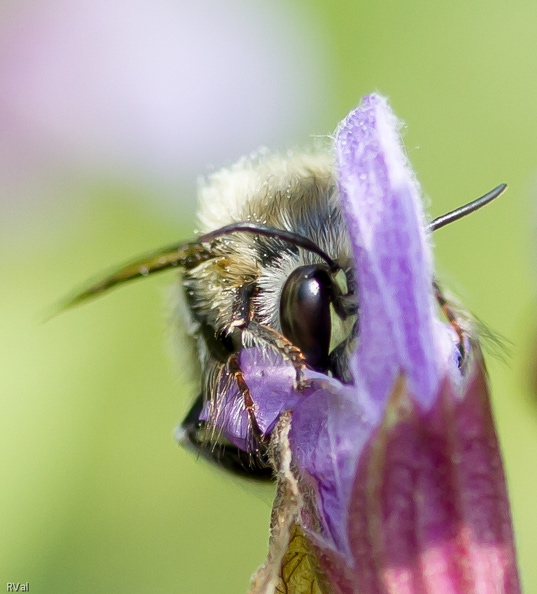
(265, 290)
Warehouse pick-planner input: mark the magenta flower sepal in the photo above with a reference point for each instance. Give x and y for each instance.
(392, 484)
(428, 510)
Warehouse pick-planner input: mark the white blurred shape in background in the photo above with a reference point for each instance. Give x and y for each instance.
(148, 91)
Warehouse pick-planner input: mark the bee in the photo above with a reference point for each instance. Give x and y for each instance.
(272, 267)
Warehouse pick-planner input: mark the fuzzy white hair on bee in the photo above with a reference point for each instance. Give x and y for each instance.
(270, 268)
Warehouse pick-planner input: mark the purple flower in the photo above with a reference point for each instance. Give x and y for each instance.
(393, 484)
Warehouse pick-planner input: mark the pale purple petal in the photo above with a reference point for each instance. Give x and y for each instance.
(396, 317)
(381, 202)
(270, 380)
(328, 431)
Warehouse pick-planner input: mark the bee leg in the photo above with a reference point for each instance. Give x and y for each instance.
(234, 369)
(192, 434)
(241, 315)
(453, 320)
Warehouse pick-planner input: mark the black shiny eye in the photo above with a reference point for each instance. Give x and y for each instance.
(305, 312)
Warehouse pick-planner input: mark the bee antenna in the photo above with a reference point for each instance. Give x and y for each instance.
(288, 236)
(462, 211)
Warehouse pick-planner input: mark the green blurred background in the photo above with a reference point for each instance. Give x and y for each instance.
(108, 111)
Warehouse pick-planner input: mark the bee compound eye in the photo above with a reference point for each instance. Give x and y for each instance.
(305, 312)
